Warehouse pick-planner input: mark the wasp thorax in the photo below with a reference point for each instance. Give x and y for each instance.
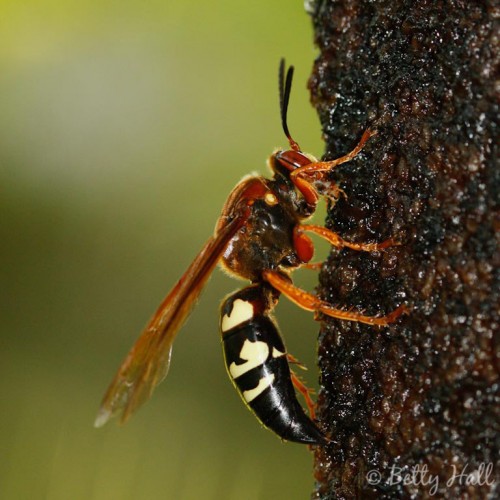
(266, 240)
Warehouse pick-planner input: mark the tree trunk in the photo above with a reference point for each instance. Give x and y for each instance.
(417, 402)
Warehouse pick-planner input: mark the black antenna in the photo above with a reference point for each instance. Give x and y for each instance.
(285, 87)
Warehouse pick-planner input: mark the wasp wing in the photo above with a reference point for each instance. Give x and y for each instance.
(148, 361)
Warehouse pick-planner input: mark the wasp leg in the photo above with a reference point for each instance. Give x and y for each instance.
(310, 302)
(292, 359)
(299, 175)
(314, 266)
(322, 166)
(306, 393)
(334, 193)
(335, 240)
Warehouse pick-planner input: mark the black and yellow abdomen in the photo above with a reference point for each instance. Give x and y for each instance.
(257, 364)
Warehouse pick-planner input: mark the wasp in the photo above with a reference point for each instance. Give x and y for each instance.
(261, 236)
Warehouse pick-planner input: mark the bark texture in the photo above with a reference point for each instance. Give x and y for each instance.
(420, 397)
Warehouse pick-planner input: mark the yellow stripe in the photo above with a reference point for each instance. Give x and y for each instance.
(263, 384)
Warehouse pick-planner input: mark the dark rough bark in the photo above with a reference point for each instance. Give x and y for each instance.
(424, 392)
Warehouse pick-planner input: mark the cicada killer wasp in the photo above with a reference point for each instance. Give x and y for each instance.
(261, 237)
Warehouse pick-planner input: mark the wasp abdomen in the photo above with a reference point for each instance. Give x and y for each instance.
(257, 364)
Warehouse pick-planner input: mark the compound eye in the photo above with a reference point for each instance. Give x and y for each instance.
(270, 199)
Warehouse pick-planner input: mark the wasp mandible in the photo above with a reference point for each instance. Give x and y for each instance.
(261, 237)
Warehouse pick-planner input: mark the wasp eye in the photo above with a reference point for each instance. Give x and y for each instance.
(270, 199)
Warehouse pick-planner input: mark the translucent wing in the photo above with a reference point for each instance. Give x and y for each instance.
(148, 361)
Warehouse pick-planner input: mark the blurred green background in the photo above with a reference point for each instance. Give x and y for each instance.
(123, 127)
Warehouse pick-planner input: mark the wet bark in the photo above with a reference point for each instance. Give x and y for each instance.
(420, 397)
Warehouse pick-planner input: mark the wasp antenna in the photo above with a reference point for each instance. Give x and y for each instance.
(285, 86)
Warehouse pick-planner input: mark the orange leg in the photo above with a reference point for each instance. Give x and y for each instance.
(315, 266)
(335, 240)
(304, 185)
(335, 193)
(306, 393)
(310, 302)
(322, 166)
(292, 359)
(303, 389)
